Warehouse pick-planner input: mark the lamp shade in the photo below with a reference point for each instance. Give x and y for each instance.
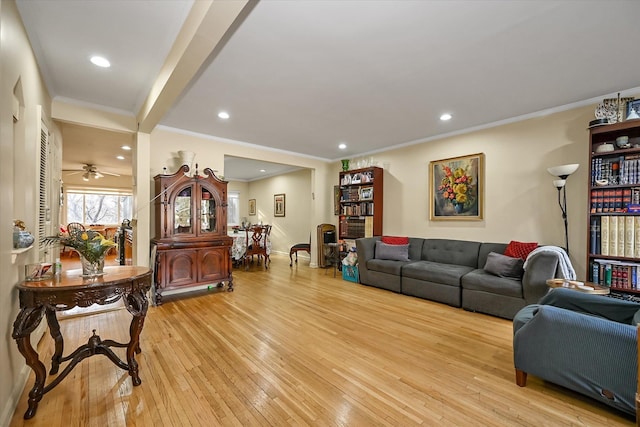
(563, 170)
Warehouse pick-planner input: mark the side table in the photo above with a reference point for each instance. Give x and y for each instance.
(70, 290)
(586, 287)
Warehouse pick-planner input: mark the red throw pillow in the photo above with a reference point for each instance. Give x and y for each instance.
(395, 240)
(520, 249)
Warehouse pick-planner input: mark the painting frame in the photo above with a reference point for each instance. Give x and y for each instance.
(279, 205)
(252, 207)
(336, 200)
(457, 188)
(633, 106)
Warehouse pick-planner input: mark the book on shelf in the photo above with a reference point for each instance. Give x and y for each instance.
(595, 236)
(629, 237)
(621, 235)
(604, 235)
(613, 236)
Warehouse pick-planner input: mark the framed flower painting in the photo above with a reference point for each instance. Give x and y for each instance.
(457, 188)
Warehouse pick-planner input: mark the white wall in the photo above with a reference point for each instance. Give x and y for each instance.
(295, 226)
(19, 148)
(520, 200)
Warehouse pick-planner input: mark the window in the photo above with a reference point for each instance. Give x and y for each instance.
(98, 207)
(233, 208)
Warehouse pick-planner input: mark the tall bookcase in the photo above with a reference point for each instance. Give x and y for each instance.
(361, 195)
(613, 246)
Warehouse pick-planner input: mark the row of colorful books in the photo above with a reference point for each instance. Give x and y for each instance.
(616, 274)
(615, 200)
(615, 235)
(618, 170)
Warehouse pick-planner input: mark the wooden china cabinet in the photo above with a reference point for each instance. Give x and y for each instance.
(192, 245)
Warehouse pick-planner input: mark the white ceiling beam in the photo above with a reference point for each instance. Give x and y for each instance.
(205, 31)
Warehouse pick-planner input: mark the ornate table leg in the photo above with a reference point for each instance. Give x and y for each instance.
(137, 305)
(54, 329)
(28, 319)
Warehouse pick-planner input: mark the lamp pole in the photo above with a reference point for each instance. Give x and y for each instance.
(563, 172)
(562, 202)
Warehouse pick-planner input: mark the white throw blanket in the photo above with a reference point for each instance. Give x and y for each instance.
(564, 264)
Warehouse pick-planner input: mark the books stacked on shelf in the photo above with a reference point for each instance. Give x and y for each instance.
(354, 228)
(351, 194)
(615, 274)
(359, 209)
(615, 200)
(616, 170)
(615, 235)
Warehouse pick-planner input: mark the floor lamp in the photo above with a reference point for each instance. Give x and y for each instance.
(563, 172)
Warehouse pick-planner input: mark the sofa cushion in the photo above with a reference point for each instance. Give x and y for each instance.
(486, 249)
(395, 240)
(446, 274)
(504, 266)
(392, 252)
(519, 249)
(385, 266)
(447, 251)
(480, 280)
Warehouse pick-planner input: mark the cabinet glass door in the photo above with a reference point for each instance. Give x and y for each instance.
(182, 212)
(208, 220)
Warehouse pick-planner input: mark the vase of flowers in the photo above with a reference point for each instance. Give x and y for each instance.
(457, 187)
(92, 268)
(90, 245)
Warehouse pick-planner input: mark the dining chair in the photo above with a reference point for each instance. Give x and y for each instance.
(257, 244)
(297, 248)
(73, 228)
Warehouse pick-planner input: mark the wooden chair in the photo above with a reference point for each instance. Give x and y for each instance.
(257, 240)
(73, 228)
(297, 248)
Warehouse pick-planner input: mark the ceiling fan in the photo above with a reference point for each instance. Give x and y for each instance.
(89, 171)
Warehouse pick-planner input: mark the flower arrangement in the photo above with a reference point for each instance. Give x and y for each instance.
(90, 244)
(457, 187)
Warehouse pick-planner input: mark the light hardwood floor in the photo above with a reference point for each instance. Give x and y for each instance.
(296, 346)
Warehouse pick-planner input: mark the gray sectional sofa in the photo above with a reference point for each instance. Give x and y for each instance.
(452, 272)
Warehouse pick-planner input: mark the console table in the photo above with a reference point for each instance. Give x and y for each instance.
(70, 290)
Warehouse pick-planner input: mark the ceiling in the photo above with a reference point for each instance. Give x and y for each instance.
(304, 76)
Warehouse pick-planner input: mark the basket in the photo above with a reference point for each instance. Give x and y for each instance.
(350, 273)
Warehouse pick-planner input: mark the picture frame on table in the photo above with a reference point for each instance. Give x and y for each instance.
(252, 207)
(457, 188)
(279, 205)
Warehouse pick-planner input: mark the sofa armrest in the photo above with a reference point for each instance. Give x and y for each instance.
(540, 268)
(588, 354)
(365, 247)
(613, 309)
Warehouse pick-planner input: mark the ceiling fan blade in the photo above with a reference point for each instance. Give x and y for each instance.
(72, 172)
(97, 174)
(109, 173)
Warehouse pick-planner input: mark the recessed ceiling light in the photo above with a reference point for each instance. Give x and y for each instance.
(126, 147)
(262, 170)
(342, 146)
(100, 61)
(223, 115)
(120, 157)
(445, 117)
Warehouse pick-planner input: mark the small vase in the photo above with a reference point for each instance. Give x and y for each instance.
(345, 164)
(459, 207)
(92, 269)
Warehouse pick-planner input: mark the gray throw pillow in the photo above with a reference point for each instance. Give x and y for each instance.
(636, 318)
(392, 252)
(504, 266)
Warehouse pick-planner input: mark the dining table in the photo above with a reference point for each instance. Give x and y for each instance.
(239, 245)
